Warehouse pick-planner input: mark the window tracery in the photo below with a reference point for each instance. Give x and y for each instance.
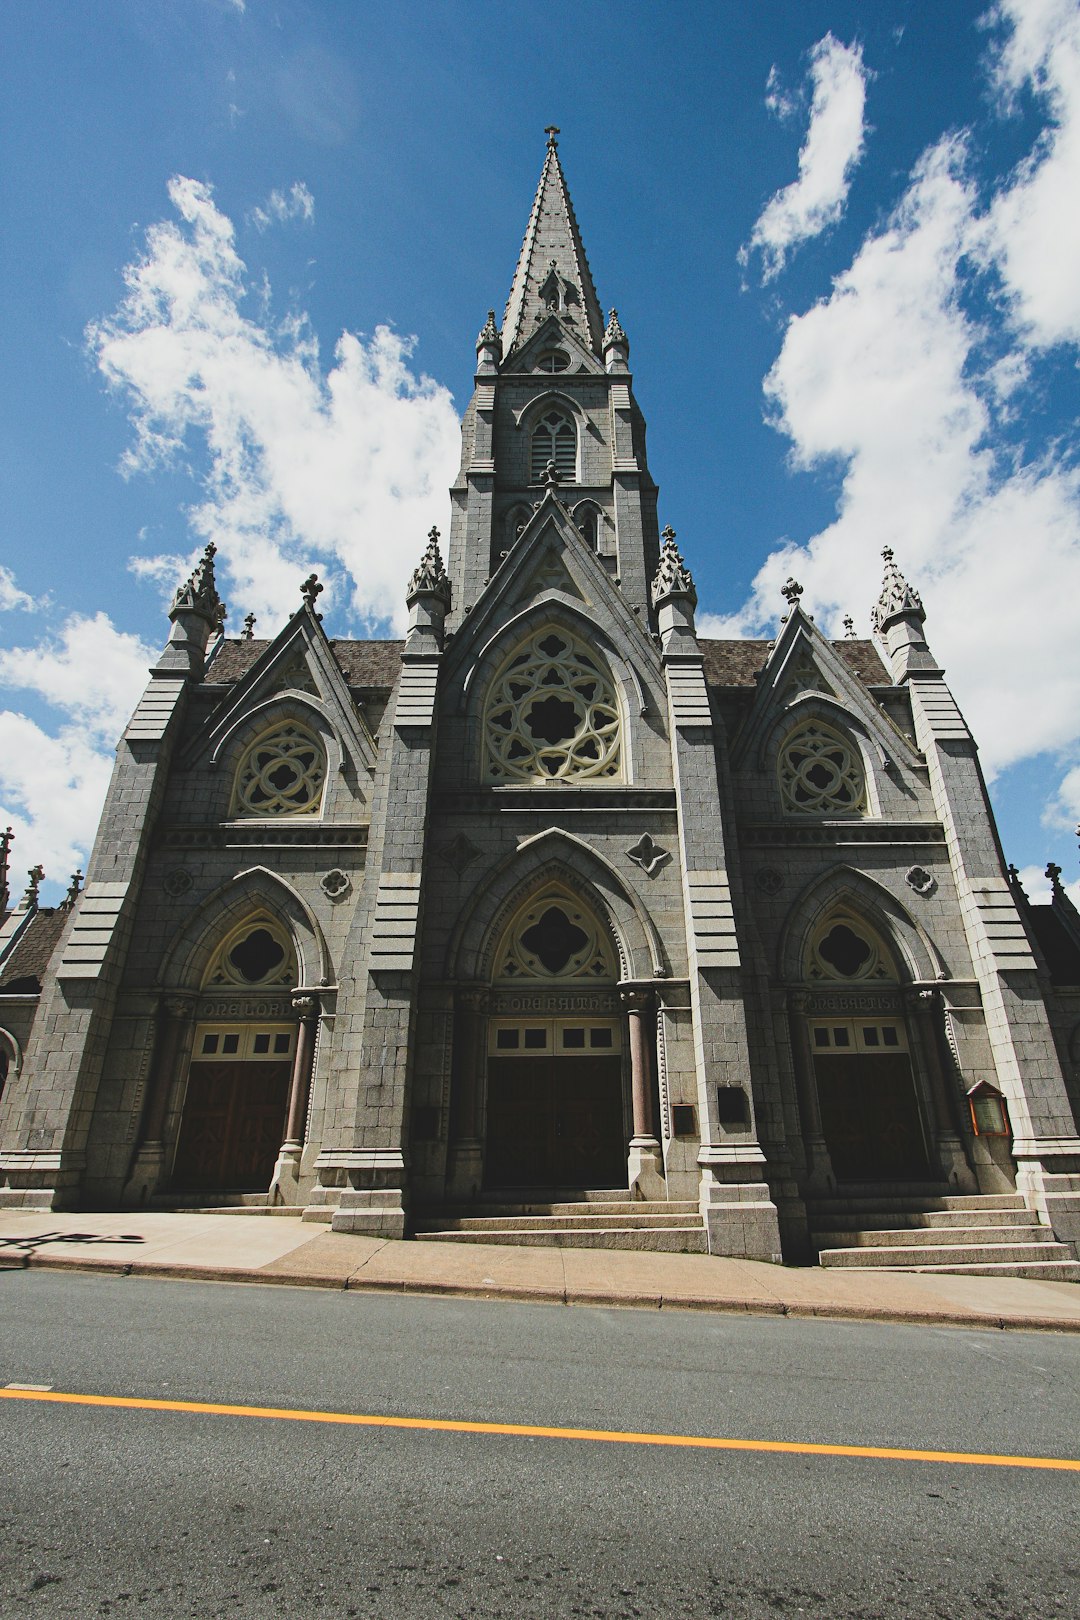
(844, 947)
(554, 937)
(554, 439)
(552, 714)
(820, 773)
(258, 954)
(281, 774)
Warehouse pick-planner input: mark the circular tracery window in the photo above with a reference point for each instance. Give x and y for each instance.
(282, 774)
(555, 938)
(552, 714)
(820, 773)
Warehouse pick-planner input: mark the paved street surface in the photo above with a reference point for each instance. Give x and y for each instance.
(113, 1511)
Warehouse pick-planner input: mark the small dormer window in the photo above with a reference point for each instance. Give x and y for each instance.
(553, 360)
(554, 439)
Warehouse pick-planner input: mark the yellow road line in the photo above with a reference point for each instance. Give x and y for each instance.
(703, 1442)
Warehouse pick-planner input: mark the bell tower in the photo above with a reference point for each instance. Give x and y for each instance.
(553, 406)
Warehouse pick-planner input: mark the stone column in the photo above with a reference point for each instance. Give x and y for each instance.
(287, 1169)
(819, 1170)
(645, 1166)
(148, 1165)
(924, 1011)
(464, 1174)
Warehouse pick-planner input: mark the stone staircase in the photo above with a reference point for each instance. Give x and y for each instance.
(978, 1236)
(608, 1219)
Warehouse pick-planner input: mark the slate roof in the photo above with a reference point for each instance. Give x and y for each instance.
(372, 664)
(1058, 946)
(736, 663)
(26, 965)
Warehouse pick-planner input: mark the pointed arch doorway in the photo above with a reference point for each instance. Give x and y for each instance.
(555, 1112)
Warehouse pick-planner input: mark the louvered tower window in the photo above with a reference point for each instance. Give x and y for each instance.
(554, 439)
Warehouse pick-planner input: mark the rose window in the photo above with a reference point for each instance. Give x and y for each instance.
(552, 714)
(820, 773)
(281, 775)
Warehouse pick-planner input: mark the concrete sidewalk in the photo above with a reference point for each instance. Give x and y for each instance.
(260, 1249)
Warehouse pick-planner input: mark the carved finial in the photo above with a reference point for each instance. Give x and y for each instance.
(1014, 879)
(673, 578)
(249, 627)
(6, 839)
(849, 628)
(430, 576)
(1053, 872)
(551, 132)
(550, 479)
(614, 333)
(74, 888)
(488, 336)
(311, 590)
(198, 594)
(791, 590)
(36, 875)
(897, 596)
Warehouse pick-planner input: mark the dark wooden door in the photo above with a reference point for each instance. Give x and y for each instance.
(870, 1117)
(555, 1122)
(232, 1128)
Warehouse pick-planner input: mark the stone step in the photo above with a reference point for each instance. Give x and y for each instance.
(946, 1255)
(635, 1222)
(941, 1220)
(485, 1211)
(666, 1240)
(915, 1204)
(1034, 1270)
(934, 1236)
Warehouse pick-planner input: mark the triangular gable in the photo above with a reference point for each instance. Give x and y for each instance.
(552, 333)
(299, 661)
(802, 667)
(550, 547)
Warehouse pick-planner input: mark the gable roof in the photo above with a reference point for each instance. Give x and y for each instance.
(371, 664)
(31, 956)
(738, 663)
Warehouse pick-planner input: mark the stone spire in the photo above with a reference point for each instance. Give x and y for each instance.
(552, 274)
(898, 598)
(6, 840)
(673, 578)
(427, 597)
(616, 343)
(197, 612)
(488, 345)
(898, 617)
(429, 577)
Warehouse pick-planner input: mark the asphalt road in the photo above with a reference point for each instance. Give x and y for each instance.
(110, 1512)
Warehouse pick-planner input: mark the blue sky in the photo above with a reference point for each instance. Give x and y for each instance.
(842, 237)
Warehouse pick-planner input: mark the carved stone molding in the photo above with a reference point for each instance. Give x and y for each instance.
(649, 855)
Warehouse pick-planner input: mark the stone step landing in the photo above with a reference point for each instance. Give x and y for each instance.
(979, 1235)
(612, 1223)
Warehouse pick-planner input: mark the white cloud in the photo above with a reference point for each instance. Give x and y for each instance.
(1032, 229)
(52, 783)
(891, 383)
(344, 471)
(10, 594)
(830, 152)
(281, 206)
(1036, 886)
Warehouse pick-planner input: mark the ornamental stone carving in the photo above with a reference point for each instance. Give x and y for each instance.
(198, 594)
(336, 884)
(673, 578)
(429, 577)
(552, 714)
(919, 879)
(649, 855)
(897, 596)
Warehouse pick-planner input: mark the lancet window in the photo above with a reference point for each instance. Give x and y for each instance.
(820, 773)
(552, 714)
(554, 439)
(281, 774)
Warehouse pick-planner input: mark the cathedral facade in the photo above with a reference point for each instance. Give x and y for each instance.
(553, 921)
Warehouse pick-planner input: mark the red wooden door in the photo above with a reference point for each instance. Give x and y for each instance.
(232, 1127)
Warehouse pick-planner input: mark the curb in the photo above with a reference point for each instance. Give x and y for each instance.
(354, 1283)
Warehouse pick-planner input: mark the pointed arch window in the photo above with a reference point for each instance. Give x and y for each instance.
(554, 439)
(844, 946)
(282, 773)
(820, 773)
(258, 954)
(552, 715)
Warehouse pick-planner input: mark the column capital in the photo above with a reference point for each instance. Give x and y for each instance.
(473, 998)
(305, 1005)
(636, 998)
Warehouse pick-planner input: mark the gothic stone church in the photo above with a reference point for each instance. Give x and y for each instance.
(555, 921)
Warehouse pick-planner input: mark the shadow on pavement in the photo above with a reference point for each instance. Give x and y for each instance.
(16, 1252)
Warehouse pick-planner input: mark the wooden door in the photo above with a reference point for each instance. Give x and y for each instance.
(870, 1117)
(232, 1127)
(555, 1122)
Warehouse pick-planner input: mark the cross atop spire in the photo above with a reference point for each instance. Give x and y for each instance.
(552, 274)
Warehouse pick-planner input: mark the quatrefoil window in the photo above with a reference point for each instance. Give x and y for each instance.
(257, 954)
(554, 937)
(820, 773)
(282, 774)
(552, 714)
